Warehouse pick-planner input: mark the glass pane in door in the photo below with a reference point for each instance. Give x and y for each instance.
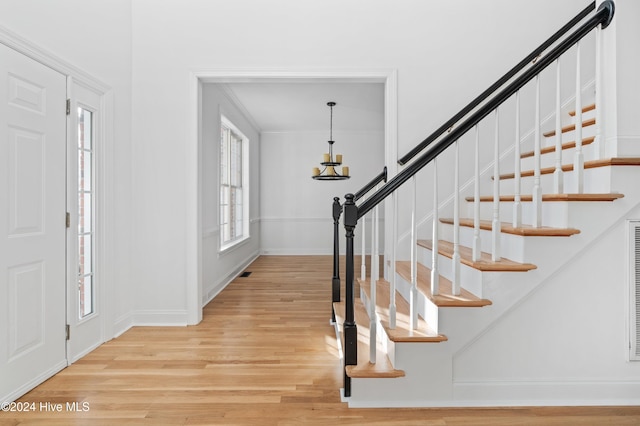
(86, 294)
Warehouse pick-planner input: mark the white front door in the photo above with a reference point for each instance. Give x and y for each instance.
(32, 223)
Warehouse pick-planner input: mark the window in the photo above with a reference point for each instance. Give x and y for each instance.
(85, 212)
(234, 191)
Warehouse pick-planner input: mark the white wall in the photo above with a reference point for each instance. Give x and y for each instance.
(95, 38)
(296, 211)
(219, 269)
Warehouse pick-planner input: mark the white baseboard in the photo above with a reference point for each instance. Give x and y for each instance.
(296, 252)
(122, 324)
(175, 318)
(224, 282)
(521, 394)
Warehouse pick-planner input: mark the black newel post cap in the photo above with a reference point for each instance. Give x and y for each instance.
(350, 211)
(337, 208)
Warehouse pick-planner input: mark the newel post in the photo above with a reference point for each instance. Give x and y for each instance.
(350, 330)
(335, 284)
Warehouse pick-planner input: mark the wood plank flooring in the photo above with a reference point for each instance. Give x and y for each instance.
(264, 354)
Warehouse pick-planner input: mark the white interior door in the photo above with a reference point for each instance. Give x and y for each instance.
(85, 317)
(32, 223)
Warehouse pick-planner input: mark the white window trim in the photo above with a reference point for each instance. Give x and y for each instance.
(225, 247)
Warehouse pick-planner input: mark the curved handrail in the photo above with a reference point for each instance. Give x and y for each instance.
(499, 83)
(603, 16)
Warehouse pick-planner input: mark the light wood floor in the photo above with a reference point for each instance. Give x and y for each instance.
(264, 354)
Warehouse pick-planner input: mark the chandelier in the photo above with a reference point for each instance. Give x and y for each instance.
(330, 162)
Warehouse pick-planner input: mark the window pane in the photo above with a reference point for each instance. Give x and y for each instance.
(224, 157)
(84, 170)
(85, 292)
(85, 132)
(85, 212)
(85, 254)
(84, 216)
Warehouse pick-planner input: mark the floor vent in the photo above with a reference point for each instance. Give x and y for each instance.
(245, 274)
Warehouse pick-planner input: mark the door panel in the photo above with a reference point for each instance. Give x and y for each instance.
(32, 223)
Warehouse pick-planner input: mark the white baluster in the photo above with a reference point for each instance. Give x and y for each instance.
(375, 274)
(578, 164)
(392, 272)
(495, 224)
(413, 299)
(537, 190)
(599, 142)
(517, 204)
(557, 174)
(372, 261)
(435, 274)
(455, 278)
(363, 263)
(476, 201)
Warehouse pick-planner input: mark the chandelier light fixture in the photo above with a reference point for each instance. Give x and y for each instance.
(330, 162)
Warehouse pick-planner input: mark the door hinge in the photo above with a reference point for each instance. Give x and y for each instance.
(68, 220)
(68, 332)
(68, 106)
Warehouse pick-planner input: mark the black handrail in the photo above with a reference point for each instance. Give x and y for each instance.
(376, 180)
(603, 16)
(485, 95)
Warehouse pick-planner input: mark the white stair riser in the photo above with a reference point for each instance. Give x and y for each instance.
(512, 246)
(388, 346)
(589, 152)
(470, 278)
(596, 180)
(553, 213)
(445, 320)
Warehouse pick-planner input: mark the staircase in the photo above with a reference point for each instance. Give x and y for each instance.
(497, 295)
(414, 366)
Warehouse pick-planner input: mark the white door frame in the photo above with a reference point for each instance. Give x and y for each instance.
(106, 197)
(193, 252)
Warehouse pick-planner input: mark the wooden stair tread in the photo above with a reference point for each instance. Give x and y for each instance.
(591, 164)
(403, 331)
(445, 299)
(566, 145)
(554, 197)
(383, 367)
(584, 109)
(485, 263)
(571, 127)
(523, 230)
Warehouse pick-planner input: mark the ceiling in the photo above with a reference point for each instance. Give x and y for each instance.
(301, 106)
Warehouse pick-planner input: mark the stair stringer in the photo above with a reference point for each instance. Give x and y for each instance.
(581, 322)
(429, 368)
